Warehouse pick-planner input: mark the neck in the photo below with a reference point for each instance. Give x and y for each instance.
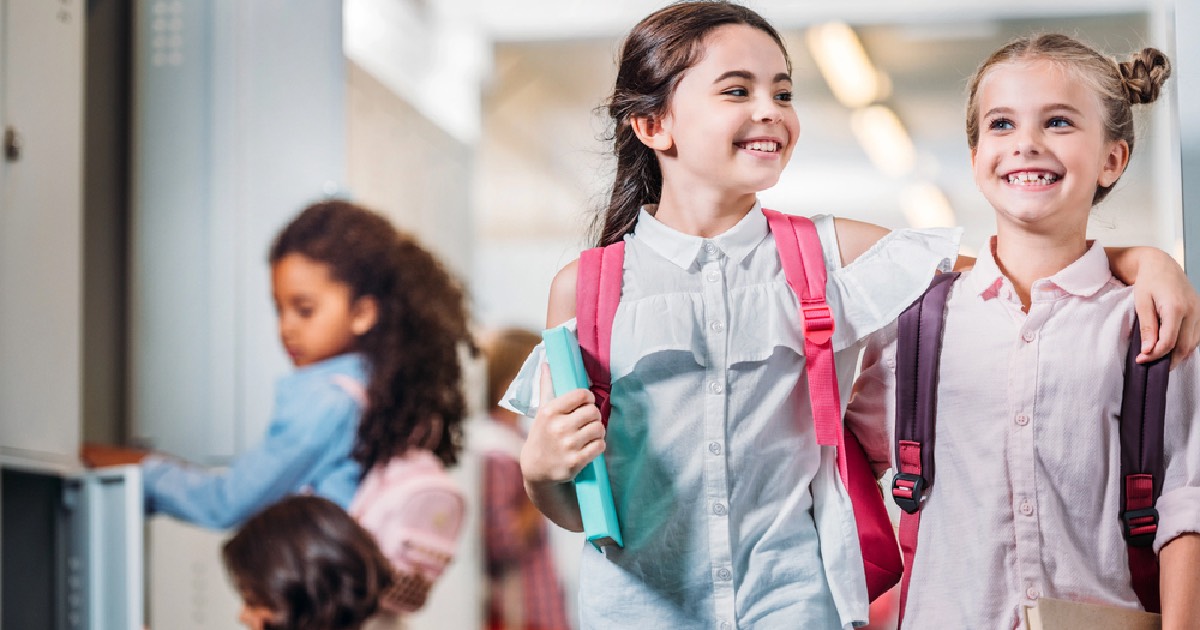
(1025, 256)
(702, 212)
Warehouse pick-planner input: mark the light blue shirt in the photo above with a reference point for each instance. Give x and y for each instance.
(732, 516)
(306, 448)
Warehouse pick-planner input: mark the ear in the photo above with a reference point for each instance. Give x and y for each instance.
(1114, 163)
(653, 131)
(364, 312)
(974, 154)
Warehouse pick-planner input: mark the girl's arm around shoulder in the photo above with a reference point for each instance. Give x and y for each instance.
(855, 238)
(1167, 305)
(566, 434)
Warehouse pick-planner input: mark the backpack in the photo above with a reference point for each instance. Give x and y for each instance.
(1143, 406)
(598, 291)
(415, 512)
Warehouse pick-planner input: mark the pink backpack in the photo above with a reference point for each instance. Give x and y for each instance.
(415, 511)
(598, 290)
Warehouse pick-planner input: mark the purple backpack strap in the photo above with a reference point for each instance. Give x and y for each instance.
(1143, 416)
(918, 353)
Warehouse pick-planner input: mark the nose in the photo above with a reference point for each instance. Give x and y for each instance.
(1027, 142)
(766, 109)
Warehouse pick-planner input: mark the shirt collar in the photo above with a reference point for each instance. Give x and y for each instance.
(683, 249)
(1082, 278)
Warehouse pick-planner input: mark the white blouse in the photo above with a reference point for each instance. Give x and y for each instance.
(732, 516)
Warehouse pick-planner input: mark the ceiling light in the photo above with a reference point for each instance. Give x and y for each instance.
(884, 139)
(844, 63)
(925, 206)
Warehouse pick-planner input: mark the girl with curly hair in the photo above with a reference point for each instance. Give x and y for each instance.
(374, 325)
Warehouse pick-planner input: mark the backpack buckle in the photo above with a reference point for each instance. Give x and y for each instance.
(1140, 526)
(907, 491)
(818, 321)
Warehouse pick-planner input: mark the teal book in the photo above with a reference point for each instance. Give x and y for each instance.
(592, 488)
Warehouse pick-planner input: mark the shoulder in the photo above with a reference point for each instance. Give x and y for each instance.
(316, 400)
(856, 237)
(561, 305)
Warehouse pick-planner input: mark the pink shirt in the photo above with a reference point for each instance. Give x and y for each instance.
(1026, 500)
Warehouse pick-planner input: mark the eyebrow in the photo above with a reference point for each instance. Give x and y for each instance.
(749, 76)
(1048, 108)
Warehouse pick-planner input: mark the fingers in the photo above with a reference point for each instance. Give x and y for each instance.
(1147, 314)
(1189, 337)
(1168, 333)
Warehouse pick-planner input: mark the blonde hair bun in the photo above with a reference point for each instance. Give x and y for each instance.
(1144, 75)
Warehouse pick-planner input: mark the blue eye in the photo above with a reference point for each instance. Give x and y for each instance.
(1059, 121)
(1000, 124)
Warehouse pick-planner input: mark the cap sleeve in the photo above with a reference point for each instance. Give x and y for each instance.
(873, 290)
(524, 393)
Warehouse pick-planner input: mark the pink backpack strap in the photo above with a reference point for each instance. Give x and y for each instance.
(803, 262)
(597, 294)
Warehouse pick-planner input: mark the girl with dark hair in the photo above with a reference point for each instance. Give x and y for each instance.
(732, 515)
(358, 302)
(1029, 493)
(304, 564)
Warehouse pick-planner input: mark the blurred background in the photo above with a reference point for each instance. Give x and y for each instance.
(153, 147)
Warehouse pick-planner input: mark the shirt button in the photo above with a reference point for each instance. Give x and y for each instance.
(719, 509)
(1028, 335)
(1032, 593)
(1022, 419)
(1027, 509)
(724, 575)
(717, 326)
(710, 248)
(714, 448)
(716, 387)
(713, 276)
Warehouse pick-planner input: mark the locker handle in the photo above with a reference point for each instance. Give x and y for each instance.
(12, 144)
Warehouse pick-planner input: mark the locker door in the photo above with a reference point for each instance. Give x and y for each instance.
(41, 117)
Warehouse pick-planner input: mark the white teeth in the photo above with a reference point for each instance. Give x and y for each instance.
(770, 147)
(1026, 178)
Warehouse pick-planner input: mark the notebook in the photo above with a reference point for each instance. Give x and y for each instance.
(1059, 614)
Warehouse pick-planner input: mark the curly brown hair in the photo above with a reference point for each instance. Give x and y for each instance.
(414, 398)
(310, 563)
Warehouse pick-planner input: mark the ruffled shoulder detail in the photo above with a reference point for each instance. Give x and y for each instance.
(875, 288)
(524, 393)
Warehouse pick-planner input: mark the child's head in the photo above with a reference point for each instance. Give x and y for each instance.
(747, 98)
(326, 278)
(304, 564)
(402, 310)
(1049, 115)
(505, 350)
